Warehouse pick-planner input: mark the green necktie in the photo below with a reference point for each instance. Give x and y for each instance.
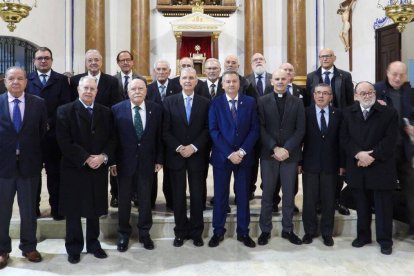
(139, 129)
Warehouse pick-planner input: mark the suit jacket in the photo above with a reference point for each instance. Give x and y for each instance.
(138, 155)
(252, 80)
(84, 191)
(108, 91)
(342, 87)
(383, 89)
(153, 93)
(176, 132)
(29, 137)
(205, 90)
(378, 133)
(229, 136)
(288, 133)
(322, 153)
(118, 76)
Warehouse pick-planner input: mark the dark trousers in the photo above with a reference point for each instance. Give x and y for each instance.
(188, 227)
(319, 186)
(383, 215)
(74, 236)
(221, 198)
(255, 168)
(167, 187)
(26, 189)
(113, 182)
(154, 190)
(52, 168)
(276, 196)
(405, 174)
(127, 186)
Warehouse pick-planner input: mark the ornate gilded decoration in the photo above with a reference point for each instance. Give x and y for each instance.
(216, 8)
(13, 11)
(400, 11)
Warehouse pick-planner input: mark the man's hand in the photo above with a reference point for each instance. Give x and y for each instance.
(381, 102)
(364, 158)
(95, 161)
(113, 170)
(341, 171)
(235, 158)
(280, 154)
(158, 167)
(409, 129)
(186, 151)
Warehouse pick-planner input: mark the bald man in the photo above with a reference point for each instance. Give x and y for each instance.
(396, 91)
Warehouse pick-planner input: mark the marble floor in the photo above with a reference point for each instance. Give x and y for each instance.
(279, 257)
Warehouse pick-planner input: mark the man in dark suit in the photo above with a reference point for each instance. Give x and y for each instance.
(186, 62)
(138, 125)
(321, 164)
(397, 92)
(343, 96)
(185, 133)
(22, 125)
(54, 89)
(299, 92)
(259, 79)
(234, 129)
(157, 91)
(108, 94)
(368, 135)
(282, 120)
(85, 134)
(212, 87)
(125, 61)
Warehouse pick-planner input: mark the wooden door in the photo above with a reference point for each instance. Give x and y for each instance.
(387, 49)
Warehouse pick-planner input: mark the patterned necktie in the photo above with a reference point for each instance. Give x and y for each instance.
(326, 78)
(90, 110)
(233, 110)
(259, 85)
(212, 90)
(17, 119)
(324, 127)
(43, 80)
(162, 92)
(126, 86)
(188, 108)
(139, 129)
(365, 114)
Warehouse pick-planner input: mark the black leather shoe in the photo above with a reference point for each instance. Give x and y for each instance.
(291, 237)
(263, 238)
(251, 196)
(215, 240)
(4, 258)
(342, 209)
(307, 239)
(198, 241)
(178, 242)
(100, 254)
(246, 240)
(147, 241)
(114, 202)
(295, 209)
(228, 209)
(360, 243)
(58, 217)
(74, 259)
(386, 250)
(122, 245)
(327, 240)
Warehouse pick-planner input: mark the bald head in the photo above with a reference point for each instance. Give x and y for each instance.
(289, 69)
(231, 63)
(397, 74)
(280, 80)
(327, 58)
(186, 62)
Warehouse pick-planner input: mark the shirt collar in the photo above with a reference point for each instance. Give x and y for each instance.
(11, 97)
(97, 77)
(85, 105)
(209, 83)
(165, 84)
(367, 109)
(142, 105)
(47, 73)
(185, 95)
(318, 109)
(330, 70)
(129, 75)
(229, 99)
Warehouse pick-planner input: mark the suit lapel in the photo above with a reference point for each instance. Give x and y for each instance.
(181, 108)
(5, 109)
(148, 111)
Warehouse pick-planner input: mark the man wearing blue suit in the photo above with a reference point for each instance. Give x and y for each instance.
(22, 126)
(54, 89)
(138, 125)
(234, 129)
(322, 162)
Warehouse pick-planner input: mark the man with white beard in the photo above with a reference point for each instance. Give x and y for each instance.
(260, 79)
(369, 137)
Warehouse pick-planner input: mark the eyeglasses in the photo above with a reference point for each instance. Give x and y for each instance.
(43, 58)
(186, 65)
(323, 93)
(211, 68)
(128, 60)
(325, 56)
(365, 94)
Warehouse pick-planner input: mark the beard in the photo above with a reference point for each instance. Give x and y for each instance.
(367, 103)
(259, 70)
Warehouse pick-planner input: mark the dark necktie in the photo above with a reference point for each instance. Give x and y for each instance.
(43, 80)
(259, 85)
(17, 119)
(326, 78)
(90, 111)
(212, 90)
(233, 110)
(188, 108)
(126, 86)
(162, 92)
(139, 129)
(324, 127)
(365, 114)
(288, 89)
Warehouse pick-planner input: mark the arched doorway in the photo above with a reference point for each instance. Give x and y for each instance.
(16, 52)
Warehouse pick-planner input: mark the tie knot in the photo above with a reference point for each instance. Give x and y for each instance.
(126, 77)
(259, 77)
(326, 73)
(16, 101)
(322, 111)
(43, 75)
(233, 101)
(212, 85)
(137, 108)
(162, 87)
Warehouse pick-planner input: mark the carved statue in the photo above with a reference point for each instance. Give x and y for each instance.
(345, 10)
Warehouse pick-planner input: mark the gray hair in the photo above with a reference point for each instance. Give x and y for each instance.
(162, 61)
(15, 68)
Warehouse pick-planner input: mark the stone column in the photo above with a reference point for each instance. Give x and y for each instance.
(214, 42)
(179, 38)
(296, 41)
(140, 41)
(95, 27)
(253, 31)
